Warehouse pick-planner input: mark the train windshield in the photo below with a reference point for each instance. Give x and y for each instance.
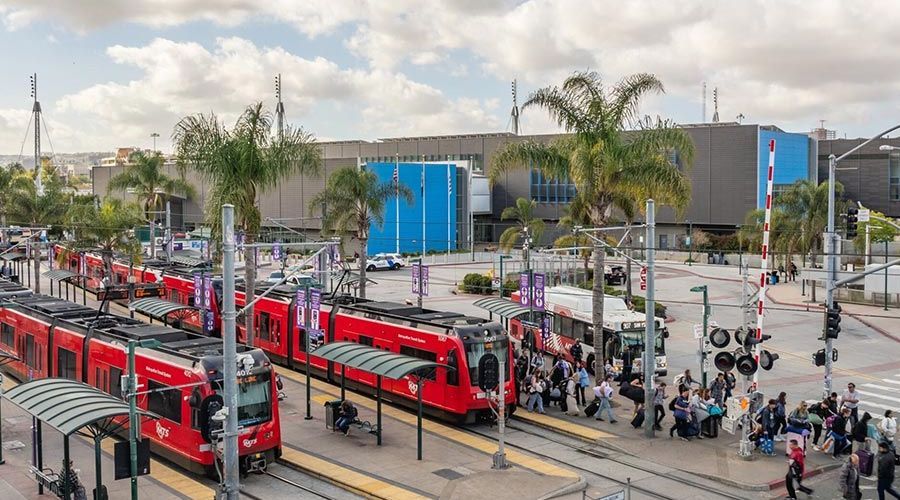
(254, 399)
(476, 349)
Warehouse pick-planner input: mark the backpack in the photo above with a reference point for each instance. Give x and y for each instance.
(672, 405)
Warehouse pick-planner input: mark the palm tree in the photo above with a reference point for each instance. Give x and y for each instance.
(29, 208)
(242, 164)
(576, 214)
(106, 227)
(805, 205)
(355, 199)
(603, 161)
(527, 225)
(10, 181)
(144, 177)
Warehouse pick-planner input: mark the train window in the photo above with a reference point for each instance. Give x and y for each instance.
(301, 339)
(421, 354)
(105, 380)
(29, 350)
(365, 340)
(7, 334)
(97, 381)
(164, 401)
(262, 326)
(452, 362)
(276, 331)
(115, 382)
(175, 297)
(65, 363)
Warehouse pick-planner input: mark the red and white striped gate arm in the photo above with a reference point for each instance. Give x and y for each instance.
(764, 262)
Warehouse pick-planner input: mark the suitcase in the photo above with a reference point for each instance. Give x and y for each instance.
(692, 430)
(638, 419)
(767, 446)
(866, 462)
(801, 440)
(592, 408)
(710, 427)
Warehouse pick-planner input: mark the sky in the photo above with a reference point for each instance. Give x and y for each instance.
(111, 72)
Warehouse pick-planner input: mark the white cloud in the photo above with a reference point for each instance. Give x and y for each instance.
(182, 78)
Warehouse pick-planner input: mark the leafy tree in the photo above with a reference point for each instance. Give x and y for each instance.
(576, 214)
(145, 177)
(526, 223)
(242, 164)
(355, 200)
(605, 162)
(107, 227)
(27, 207)
(11, 179)
(879, 232)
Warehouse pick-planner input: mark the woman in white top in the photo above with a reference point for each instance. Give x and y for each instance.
(888, 426)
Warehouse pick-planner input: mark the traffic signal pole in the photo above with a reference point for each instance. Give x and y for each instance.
(229, 361)
(830, 274)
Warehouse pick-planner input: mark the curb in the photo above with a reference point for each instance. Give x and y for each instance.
(575, 435)
(779, 483)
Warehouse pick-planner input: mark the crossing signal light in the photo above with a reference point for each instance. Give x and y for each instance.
(719, 338)
(832, 322)
(724, 361)
(746, 364)
(852, 221)
(819, 357)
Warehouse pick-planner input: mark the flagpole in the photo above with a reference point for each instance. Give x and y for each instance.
(397, 200)
(423, 207)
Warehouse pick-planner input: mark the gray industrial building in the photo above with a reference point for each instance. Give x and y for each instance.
(728, 178)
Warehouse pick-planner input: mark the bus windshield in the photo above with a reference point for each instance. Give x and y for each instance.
(254, 399)
(635, 340)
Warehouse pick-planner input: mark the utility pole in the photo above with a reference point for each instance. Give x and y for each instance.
(36, 109)
(419, 282)
(306, 314)
(690, 243)
(830, 272)
(134, 422)
(229, 358)
(650, 323)
(154, 135)
(500, 456)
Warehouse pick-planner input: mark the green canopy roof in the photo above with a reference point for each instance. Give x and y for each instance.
(158, 308)
(68, 406)
(370, 359)
(502, 307)
(62, 275)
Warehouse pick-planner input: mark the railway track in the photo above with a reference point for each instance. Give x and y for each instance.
(301, 490)
(624, 468)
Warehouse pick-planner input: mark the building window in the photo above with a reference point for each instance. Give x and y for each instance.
(544, 190)
(894, 176)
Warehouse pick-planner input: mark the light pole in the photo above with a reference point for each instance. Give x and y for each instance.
(830, 252)
(690, 242)
(229, 357)
(134, 423)
(502, 277)
(649, 322)
(154, 135)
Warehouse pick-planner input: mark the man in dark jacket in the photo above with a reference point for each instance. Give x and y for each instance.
(886, 471)
(767, 419)
(839, 431)
(576, 351)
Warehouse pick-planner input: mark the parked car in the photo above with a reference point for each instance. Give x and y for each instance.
(614, 275)
(396, 257)
(382, 263)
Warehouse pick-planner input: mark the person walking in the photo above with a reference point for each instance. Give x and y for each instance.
(780, 416)
(685, 379)
(796, 468)
(583, 381)
(571, 391)
(604, 393)
(839, 432)
(730, 383)
(849, 479)
(682, 414)
(886, 471)
(535, 391)
(659, 400)
(888, 426)
(850, 399)
(817, 415)
(861, 431)
(537, 361)
(576, 351)
(717, 390)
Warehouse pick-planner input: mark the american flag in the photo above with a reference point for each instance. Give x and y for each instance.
(449, 182)
(423, 180)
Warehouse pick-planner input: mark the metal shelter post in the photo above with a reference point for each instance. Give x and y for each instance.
(40, 450)
(343, 386)
(98, 472)
(378, 408)
(308, 356)
(65, 471)
(418, 419)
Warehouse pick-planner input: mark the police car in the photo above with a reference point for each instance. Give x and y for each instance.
(384, 261)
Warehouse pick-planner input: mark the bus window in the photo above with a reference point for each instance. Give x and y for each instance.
(566, 325)
(579, 328)
(453, 371)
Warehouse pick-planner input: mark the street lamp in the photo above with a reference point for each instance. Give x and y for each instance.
(830, 254)
(154, 135)
(690, 242)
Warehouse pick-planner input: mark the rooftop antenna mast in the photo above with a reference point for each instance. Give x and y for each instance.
(715, 117)
(36, 109)
(514, 114)
(279, 107)
(703, 98)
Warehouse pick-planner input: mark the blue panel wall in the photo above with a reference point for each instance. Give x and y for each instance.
(791, 160)
(439, 214)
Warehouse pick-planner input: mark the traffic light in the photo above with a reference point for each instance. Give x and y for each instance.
(819, 357)
(832, 322)
(209, 425)
(852, 221)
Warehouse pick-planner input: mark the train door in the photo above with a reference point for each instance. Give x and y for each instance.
(453, 392)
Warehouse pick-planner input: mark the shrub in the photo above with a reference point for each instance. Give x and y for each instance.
(640, 305)
(509, 286)
(476, 283)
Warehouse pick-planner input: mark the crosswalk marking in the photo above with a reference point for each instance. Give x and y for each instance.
(875, 394)
(880, 396)
(891, 381)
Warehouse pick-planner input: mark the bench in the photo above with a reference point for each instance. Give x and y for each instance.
(49, 479)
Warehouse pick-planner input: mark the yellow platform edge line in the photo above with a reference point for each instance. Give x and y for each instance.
(343, 477)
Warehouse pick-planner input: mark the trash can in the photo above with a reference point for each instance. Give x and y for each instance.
(332, 412)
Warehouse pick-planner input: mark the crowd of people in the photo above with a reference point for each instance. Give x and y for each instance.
(832, 426)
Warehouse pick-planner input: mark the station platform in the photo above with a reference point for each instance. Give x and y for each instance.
(455, 463)
(16, 481)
